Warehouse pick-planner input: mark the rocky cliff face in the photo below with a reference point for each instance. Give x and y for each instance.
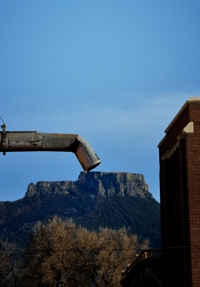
(77, 198)
(96, 199)
(95, 184)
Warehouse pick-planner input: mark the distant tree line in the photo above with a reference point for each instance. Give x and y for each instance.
(60, 254)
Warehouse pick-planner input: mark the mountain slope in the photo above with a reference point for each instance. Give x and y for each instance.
(140, 216)
(97, 199)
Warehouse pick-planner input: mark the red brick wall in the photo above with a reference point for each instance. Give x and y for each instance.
(193, 159)
(180, 201)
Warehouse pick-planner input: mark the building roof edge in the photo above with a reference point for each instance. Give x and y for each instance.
(190, 100)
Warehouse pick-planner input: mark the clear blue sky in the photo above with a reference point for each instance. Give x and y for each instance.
(115, 72)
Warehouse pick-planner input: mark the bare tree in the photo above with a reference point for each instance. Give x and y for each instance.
(10, 265)
(61, 254)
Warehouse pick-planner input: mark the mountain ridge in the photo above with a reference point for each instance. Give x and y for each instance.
(124, 197)
(130, 184)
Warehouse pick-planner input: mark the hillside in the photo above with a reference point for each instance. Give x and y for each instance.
(96, 200)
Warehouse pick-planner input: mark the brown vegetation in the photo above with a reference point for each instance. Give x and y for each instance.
(61, 254)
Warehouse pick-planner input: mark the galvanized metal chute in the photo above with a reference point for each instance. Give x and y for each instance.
(22, 141)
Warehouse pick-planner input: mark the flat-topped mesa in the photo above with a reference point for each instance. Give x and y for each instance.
(95, 184)
(112, 175)
(116, 183)
(34, 141)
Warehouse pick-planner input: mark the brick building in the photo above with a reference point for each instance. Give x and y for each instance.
(179, 156)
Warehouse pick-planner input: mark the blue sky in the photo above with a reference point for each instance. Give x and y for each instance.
(115, 72)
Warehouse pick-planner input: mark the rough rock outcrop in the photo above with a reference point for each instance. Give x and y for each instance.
(95, 183)
(96, 199)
